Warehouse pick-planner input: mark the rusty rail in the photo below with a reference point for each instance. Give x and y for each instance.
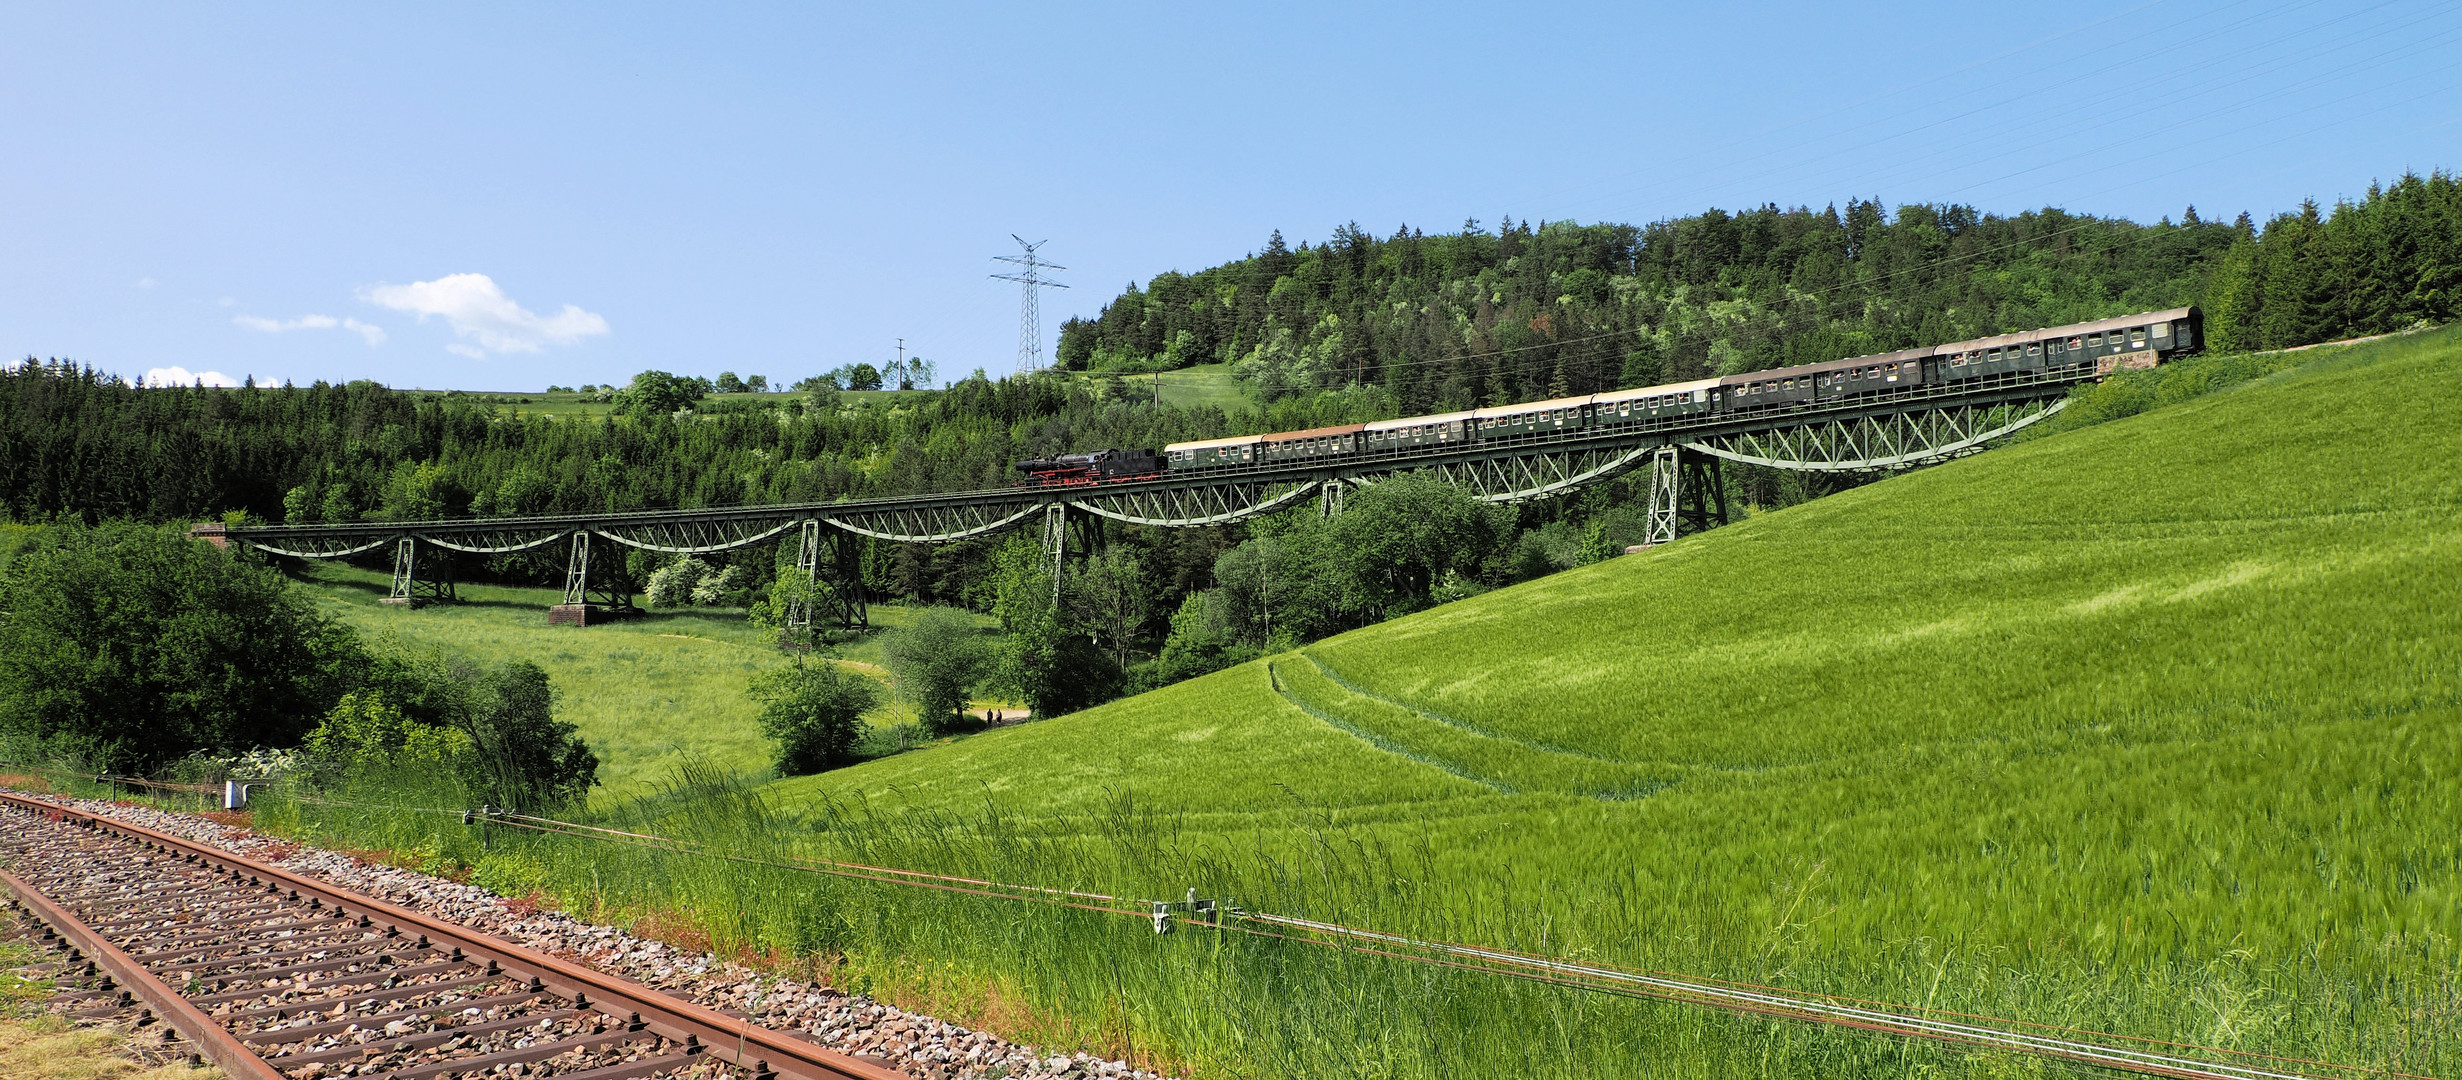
(209, 899)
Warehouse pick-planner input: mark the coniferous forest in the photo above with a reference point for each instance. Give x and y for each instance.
(1455, 320)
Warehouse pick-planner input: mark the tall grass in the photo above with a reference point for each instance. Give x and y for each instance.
(2146, 728)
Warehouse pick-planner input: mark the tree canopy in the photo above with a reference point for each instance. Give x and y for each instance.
(132, 645)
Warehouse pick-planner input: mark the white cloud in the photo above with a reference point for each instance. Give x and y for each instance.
(145, 283)
(180, 376)
(472, 351)
(276, 326)
(374, 335)
(480, 311)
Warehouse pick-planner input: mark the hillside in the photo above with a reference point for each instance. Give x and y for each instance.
(648, 694)
(2147, 727)
(1445, 320)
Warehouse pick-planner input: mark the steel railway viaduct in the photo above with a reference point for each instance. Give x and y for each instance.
(1891, 430)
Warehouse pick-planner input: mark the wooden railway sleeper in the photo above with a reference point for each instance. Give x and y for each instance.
(426, 1040)
(277, 1036)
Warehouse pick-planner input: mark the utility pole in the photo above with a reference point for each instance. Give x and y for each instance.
(900, 369)
(1030, 309)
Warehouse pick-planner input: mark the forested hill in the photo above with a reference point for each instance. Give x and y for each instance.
(1354, 329)
(1528, 311)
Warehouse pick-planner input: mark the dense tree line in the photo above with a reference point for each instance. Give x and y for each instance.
(1360, 327)
(1474, 317)
(2389, 261)
(81, 442)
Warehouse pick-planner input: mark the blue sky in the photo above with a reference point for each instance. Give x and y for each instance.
(506, 196)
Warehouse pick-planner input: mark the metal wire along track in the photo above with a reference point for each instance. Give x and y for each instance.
(276, 976)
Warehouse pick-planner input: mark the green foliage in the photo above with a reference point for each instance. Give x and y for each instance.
(530, 757)
(1201, 641)
(937, 658)
(363, 732)
(689, 581)
(1395, 538)
(814, 711)
(1532, 310)
(1109, 595)
(2389, 261)
(657, 393)
(1039, 658)
(132, 646)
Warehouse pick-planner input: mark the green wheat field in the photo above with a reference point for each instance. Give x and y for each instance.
(2151, 727)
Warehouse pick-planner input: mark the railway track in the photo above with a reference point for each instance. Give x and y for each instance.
(273, 975)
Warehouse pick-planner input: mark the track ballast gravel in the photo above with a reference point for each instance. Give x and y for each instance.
(909, 1042)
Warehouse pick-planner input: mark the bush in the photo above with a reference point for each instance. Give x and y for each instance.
(526, 756)
(814, 712)
(657, 393)
(937, 658)
(671, 585)
(128, 647)
(364, 732)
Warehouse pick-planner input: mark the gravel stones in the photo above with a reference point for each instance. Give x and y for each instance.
(918, 1045)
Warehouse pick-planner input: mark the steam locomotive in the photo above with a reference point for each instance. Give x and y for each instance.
(2104, 346)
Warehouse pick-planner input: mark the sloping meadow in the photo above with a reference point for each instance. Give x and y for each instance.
(2150, 726)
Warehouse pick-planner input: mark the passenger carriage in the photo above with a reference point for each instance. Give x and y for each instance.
(1901, 370)
(2131, 341)
(1618, 408)
(1214, 453)
(1312, 444)
(1418, 432)
(1555, 416)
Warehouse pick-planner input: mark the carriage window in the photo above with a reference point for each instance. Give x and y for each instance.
(2162, 330)
(2137, 337)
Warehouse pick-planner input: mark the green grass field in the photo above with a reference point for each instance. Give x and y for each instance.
(2147, 727)
(1191, 387)
(647, 693)
(2150, 726)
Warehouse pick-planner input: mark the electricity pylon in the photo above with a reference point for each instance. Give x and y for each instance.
(1030, 307)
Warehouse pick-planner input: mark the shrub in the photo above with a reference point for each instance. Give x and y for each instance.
(130, 646)
(937, 658)
(672, 585)
(363, 731)
(814, 712)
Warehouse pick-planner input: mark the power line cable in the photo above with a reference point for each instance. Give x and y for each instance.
(2137, 1054)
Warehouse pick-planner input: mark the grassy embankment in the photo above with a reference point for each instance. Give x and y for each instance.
(1197, 386)
(647, 693)
(36, 1045)
(2146, 727)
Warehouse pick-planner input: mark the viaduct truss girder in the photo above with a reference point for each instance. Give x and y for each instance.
(1911, 429)
(1879, 441)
